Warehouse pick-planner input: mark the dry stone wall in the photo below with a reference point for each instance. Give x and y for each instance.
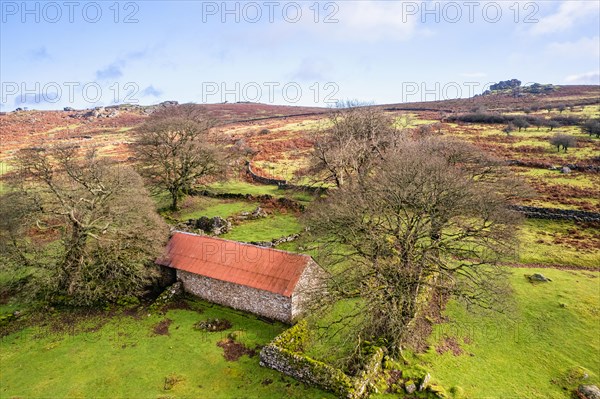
(557, 214)
(284, 355)
(282, 184)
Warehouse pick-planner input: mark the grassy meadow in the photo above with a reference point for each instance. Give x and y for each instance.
(125, 355)
(539, 347)
(534, 350)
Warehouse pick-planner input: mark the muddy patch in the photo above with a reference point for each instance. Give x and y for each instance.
(233, 350)
(179, 304)
(162, 327)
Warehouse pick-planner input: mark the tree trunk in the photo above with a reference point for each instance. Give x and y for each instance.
(73, 259)
(174, 200)
(435, 235)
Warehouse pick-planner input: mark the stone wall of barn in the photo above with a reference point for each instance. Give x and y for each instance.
(264, 303)
(309, 286)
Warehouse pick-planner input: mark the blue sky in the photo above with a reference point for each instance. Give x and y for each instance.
(86, 54)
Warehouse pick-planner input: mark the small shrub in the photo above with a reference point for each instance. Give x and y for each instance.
(457, 392)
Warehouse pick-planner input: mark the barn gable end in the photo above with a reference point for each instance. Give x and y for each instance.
(310, 285)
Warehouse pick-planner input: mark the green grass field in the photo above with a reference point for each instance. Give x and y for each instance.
(561, 243)
(537, 346)
(124, 358)
(265, 229)
(528, 351)
(195, 207)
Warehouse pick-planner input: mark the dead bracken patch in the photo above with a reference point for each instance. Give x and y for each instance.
(162, 327)
(423, 323)
(233, 350)
(449, 344)
(394, 377)
(171, 381)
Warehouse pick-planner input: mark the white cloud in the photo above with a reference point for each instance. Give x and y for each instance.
(569, 12)
(376, 20)
(311, 69)
(362, 21)
(584, 47)
(584, 78)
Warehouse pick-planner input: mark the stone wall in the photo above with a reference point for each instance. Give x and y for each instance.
(284, 355)
(307, 370)
(263, 198)
(545, 165)
(264, 303)
(557, 214)
(282, 184)
(262, 179)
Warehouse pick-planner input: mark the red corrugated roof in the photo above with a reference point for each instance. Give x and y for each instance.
(257, 267)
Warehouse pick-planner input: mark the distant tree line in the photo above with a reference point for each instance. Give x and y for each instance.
(513, 122)
(516, 120)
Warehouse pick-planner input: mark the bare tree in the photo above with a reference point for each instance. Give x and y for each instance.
(563, 140)
(433, 215)
(537, 122)
(592, 127)
(553, 125)
(508, 129)
(90, 221)
(356, 141)
(174, 150)
(521, 123)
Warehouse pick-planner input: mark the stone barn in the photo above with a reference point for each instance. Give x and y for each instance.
(267, 282)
